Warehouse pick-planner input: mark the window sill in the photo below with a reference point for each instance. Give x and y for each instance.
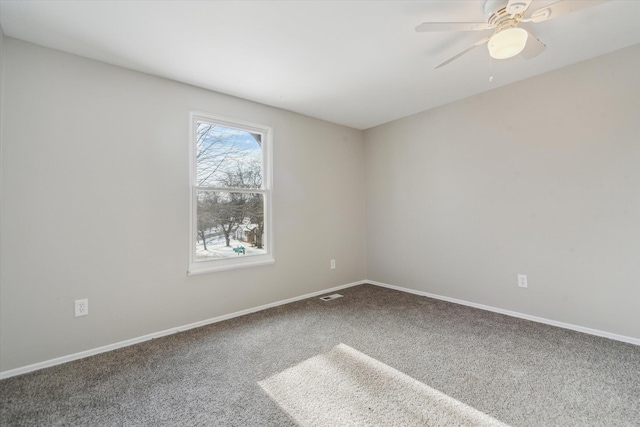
(205, 267)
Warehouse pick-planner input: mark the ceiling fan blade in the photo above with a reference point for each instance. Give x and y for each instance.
(533, 48)
(563, 7)
(467, 50)
(453, 26)
(517, 7)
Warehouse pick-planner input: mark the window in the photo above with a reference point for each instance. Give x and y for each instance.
(230, 194)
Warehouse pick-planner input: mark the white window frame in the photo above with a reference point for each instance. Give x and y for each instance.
(208, 266)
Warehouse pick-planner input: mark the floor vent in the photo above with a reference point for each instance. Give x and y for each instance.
(330, 297)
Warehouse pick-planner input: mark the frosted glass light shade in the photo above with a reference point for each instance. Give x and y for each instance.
(507, 43)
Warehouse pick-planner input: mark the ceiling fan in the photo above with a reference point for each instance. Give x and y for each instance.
(503, 18)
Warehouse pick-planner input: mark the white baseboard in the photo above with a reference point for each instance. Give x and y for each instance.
(590, 331)
(132, 341)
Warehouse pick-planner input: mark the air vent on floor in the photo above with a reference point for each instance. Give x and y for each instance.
(330, 297)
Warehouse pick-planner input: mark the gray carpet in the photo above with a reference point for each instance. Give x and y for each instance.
(518, 372)
(346, 387)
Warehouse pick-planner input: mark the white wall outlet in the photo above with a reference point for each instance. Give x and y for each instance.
(333, 264)
(522, 280)
(82, 307)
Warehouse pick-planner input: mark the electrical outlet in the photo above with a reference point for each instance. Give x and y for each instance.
(333, 264)
(82, 307)
(522, 280)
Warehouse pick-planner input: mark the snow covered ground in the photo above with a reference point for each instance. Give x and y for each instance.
(216, 249)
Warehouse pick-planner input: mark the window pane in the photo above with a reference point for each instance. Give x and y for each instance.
(229, 225)
(227, 157)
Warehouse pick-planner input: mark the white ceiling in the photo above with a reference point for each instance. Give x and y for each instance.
(357, 63)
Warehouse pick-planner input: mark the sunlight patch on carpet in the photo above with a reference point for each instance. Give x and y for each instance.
(346, 387)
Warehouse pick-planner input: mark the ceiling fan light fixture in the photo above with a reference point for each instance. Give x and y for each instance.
(507, 43)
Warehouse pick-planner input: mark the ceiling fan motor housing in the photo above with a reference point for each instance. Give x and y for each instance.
(517, 7)
(497, 15)
(493, 6)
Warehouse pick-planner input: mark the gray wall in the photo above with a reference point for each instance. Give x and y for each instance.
(96, 205)
(1, 83)
(1, 73)
(540, 177)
